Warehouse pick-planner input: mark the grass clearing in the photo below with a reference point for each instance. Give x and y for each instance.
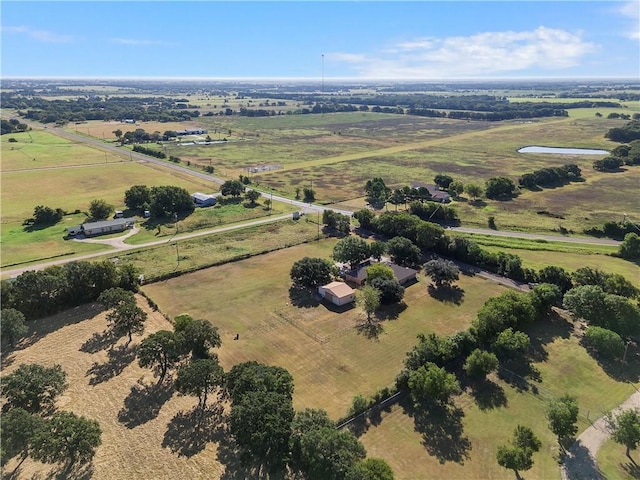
(566, 367)
(329, 360)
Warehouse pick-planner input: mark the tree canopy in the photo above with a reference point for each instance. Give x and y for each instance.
(34, 387)
(625, 429)
(312, 272)
(200, 377)
(12, 325)
(351, 250)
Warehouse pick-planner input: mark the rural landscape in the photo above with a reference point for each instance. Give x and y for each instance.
(337, 281)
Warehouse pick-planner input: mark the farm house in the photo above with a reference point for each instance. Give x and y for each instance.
(90, 229)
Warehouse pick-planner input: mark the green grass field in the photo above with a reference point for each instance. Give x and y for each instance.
(327, 356)
(615, 465)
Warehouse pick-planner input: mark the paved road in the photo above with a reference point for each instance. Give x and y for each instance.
(580, 461)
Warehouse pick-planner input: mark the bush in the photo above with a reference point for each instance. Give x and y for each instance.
(607, 343)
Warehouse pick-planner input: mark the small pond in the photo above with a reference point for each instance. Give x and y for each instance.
(562, 151)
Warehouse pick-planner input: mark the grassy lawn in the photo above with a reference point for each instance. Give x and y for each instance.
(327, 356)
(615, 465)
(416, 451)
(218, 248)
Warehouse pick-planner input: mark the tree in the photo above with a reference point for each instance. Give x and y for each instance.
(562, 415)
(16, 433)
(377, 192)
(370, 469)
(607, 343)
(118, 134)
(377, 249)
(337, 221)
(312, 272)
(138, 197)
(12, 326)
(66, 437)
(161, 351)
(303, 422)
(625, 429)
(262, 410)
(630, 247)
(403, 251)
(328, 454)
(100, 210)
(480, 363)
(442, 272)
(232, 187)
(46, 215)
(368, 298)
(198, 336)
(200, 377)
(456, 188)
(390, 289)
(309, 194)
(509, 309)
(510, 343)
(518, 454)
(500, 188)
(557, 276)
(169, 200)
(365, 217)
(252, 196)
(432, 383)
(34, 387)
(474, 190)
(379, 271)
(351, 250)
(588, 302)
(543, 297)
(443, 181)
(126, 319)
(116, 296)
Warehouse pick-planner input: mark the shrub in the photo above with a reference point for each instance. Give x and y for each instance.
(607, 343)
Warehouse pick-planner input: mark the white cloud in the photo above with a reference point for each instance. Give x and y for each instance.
(632, 10)
(140, 43)
(40, 35)
(483, 54)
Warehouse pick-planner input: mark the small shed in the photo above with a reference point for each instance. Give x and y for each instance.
(338, 293)
(203, 199)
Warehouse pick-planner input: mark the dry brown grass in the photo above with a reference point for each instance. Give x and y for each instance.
(100, 388)
(100, 129)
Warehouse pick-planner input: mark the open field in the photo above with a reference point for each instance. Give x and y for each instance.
(147, 432)
(39, 149)
(615, 465)
(104, 130)
(327, 356)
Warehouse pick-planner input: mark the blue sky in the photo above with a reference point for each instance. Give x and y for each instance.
(419, 40)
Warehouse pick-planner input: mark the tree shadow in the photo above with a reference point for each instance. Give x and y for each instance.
(478, 203)
(302, 297)
(628, 371)
(631, 468)
(118, 359)
(541, 333)
(371, 330)
(40, 328)
(144, 403)
(447, 294)
(488, 395)
(189, 432)
(98, 342)
(391, 311)
(442, 431)
(579, 464)
(75, 471)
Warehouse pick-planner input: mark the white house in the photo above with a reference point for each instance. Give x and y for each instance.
(338, 293)
(203, 199)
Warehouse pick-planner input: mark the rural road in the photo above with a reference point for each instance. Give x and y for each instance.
(119, 245)
(580, 461)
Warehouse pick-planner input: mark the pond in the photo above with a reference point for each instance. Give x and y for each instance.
(562, 151)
